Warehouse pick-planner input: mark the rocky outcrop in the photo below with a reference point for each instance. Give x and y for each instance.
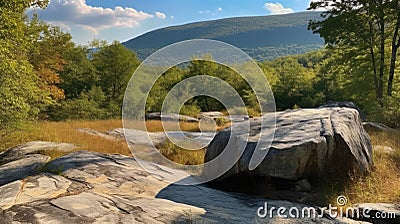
(308, 143)
(23, 160)
(378, 127)
(21, 168)
(141, 138)
(345, 104)
(35, 147)
(170, 117)
(100, 188)
(96, 133)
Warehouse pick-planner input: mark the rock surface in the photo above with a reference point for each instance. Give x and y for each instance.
(378, 127)
(308, 143)
(35, 147)
(100, 188)
(21, 168)
(23, 160)
(96, 133)
(346, 104)
(140, 138)
(170, 117)
(384, 149)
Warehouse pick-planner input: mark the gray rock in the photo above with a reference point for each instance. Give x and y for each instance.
(21, 168)
(308, 143)
(303, 185)
(346, 104)
(96, 133)
(115, 189)
(158, 139)
(383, 148)
(170, 117)
(378, 127)
(35, 188)
(138, 137)
(212, 114)
(35, 147)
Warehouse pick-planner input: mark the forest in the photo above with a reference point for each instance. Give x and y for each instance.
(44, 75)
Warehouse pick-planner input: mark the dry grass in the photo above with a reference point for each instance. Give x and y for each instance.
(66, 132)
(157, 126)
(383, 183)
(182, 156)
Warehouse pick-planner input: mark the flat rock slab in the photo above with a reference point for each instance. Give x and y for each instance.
(170, 117)
(97, 133)
(378, 127)
(157, 139)
(21, 168)
(308, 143)
(34, 188)
(100, 188)
(35, 147)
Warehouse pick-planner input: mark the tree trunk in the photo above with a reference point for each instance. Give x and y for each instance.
(373, 60)
(382, 51)
(395, 47)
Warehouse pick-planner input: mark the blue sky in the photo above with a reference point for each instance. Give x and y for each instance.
(124, 19)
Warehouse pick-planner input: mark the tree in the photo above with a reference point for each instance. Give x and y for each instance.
(115, 65)
(45, 53)
(78, 74)
(363, 26)
(20, 95)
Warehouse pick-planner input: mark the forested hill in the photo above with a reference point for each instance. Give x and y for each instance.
(262, 37)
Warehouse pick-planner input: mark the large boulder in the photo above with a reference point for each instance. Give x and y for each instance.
(346, 104)
(308, 143)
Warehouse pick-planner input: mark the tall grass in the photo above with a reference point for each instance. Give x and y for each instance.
(382, 185)
(67, 132)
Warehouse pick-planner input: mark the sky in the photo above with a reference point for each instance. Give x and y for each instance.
(125, 19)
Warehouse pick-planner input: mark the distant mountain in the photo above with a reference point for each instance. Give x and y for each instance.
(262, 37)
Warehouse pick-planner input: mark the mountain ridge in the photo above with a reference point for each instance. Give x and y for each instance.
(262, 37)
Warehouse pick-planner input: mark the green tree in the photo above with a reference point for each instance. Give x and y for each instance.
(362, 27)
(45, 53)
(115, 65)
(20, 95)
(79, 73)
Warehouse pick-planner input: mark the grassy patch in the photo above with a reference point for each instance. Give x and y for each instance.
(66, 132)
(382, 185)
(181, 155)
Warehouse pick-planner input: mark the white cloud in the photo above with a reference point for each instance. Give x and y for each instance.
(213, 12)
(161, 15)
(206, 11)
(277, 8)
(67, 13)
